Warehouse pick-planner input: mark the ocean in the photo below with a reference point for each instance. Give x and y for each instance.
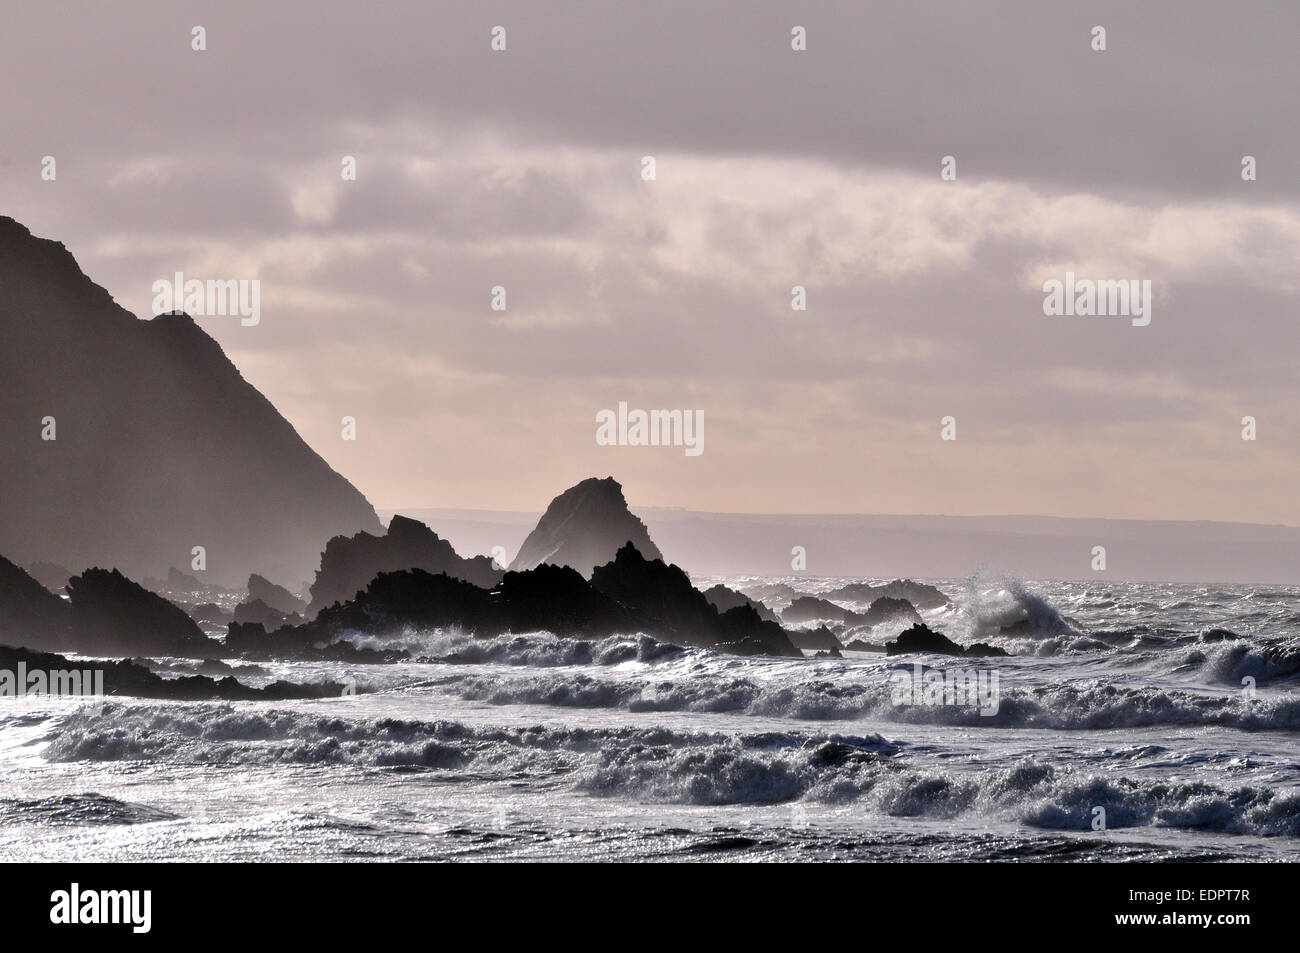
(1132, 722)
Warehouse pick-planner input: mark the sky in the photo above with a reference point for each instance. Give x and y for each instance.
(523, 168)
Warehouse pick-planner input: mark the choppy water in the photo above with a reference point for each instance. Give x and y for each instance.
(1125, 697)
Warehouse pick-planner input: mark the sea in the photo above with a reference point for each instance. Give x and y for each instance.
(1131, 721)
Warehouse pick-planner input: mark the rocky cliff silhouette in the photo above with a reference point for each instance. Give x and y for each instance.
(160, 445)
(349, 563)
(584, 527)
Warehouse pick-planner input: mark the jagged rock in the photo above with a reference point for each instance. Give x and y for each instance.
(919, 594)
(663, 592)
(210, 612)
(630, 594)
(820, 639)
(129, 677)
(111, 615)
(890, 609)
(303, 642)
(584, 527)
(260, 613)
(722, 599)
(857, 645)
(261, 589)
(50, 575)
(161, 443)
(984, 650)
(921, 638)
(30, 614)
(812, 609)
(349, 563)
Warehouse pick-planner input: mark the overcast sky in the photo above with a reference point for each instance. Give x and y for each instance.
(774, 168)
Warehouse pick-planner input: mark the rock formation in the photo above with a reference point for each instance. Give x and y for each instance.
(349, 563)
(261, 589)
(921, 638)
(30, 614)
(113, 616)
(159, 445)
(584, 527)
(722, 599)
(920, 594)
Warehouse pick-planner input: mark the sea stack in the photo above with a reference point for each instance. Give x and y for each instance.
(585, 527)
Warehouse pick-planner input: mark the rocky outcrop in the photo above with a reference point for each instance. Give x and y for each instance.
(891, 610)
(811, 609)
(584, 527)
(131, 678)
(722, 599)
(259, 613)
(629, 594)
(921, 638)
(211, 613)
(50, 575)
(261, 589)
(30, 614)
(820, 639)
(349, 563)
(663, 594)
(921, 595)
(160, 445)
(113, 616)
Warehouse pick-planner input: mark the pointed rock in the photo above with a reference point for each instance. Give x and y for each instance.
(160, 444)
(584, 527)
(349, 563)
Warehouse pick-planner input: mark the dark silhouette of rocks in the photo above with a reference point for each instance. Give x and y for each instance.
(50, 575)
(211, 613)
(722, 599)
(349, 563)
(820, 639)
(276, 597)
(584, 527)
(259, 613)
(663, 593)
(629, 594)
(921, 638)
(921, 595)
(130, 678)
(812, 609)
(30, 614)
(889, 609)
(161, 444)
(857, 645)
(308, 641)
(111, 615)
